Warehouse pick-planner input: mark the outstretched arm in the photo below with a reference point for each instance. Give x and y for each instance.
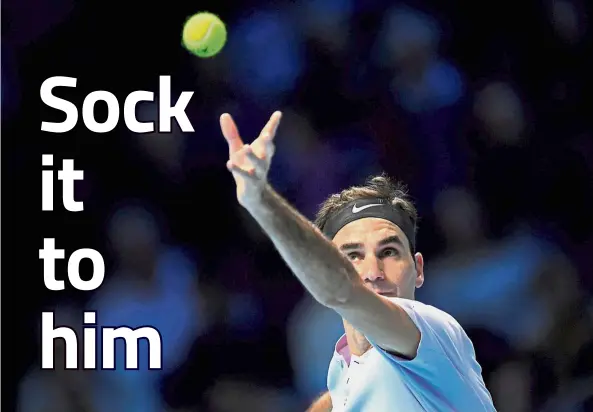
(331, 278)
(321, 404)
(316, 262)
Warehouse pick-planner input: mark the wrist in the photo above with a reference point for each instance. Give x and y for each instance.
(259, 200)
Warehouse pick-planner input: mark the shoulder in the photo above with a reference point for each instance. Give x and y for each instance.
(427, 313)
(438, 329)
(444, 348)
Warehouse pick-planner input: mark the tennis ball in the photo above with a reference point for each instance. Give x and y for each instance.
(204, 34)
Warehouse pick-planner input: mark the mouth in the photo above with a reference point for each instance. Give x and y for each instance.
(388, 294)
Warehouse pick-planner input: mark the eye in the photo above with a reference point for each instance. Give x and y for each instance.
(389, 252)
(354, 255)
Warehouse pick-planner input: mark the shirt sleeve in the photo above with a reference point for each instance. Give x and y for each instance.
(445, 356)
(444, 375)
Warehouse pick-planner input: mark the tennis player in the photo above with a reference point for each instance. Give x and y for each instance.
(360, 259)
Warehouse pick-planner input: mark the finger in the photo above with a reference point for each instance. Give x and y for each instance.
(270, 149)
(249, 174)
(264, 148)
(258, 163)
(230, 133)
(254, 160)
(269, 130)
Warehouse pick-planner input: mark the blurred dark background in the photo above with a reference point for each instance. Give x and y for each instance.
(482, 108)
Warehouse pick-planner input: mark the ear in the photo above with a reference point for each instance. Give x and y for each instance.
(419, 260)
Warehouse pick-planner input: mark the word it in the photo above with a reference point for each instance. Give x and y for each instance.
(67, 175)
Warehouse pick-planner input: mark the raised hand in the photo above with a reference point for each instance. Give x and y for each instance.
(249, 163)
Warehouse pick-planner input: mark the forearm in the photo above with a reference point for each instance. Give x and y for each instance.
(322, 404)
(314, 260)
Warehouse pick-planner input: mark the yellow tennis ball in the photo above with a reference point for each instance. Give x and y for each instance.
(204, 34)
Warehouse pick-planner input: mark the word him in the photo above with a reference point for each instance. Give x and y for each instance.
(132, 338)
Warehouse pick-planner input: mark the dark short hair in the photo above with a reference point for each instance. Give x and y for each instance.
(377, 186)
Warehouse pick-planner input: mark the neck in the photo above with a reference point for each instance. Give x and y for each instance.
(357, 343)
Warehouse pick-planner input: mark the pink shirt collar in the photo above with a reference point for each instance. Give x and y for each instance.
(342, 349)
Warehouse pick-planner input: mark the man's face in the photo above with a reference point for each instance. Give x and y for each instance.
(380, 252)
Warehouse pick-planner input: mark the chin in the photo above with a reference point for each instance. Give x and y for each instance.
(388, 294)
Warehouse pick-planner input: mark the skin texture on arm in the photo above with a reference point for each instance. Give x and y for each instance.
(333, 280)
(321, 404)
(314, 260)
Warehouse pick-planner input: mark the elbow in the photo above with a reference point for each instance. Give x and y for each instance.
(338, 296)
(329, 301)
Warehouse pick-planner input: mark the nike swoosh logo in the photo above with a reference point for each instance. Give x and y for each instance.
(358, 209)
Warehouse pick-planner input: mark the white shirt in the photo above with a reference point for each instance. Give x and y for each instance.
(444, 376)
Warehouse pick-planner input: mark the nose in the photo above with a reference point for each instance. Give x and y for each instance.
(373, 269)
